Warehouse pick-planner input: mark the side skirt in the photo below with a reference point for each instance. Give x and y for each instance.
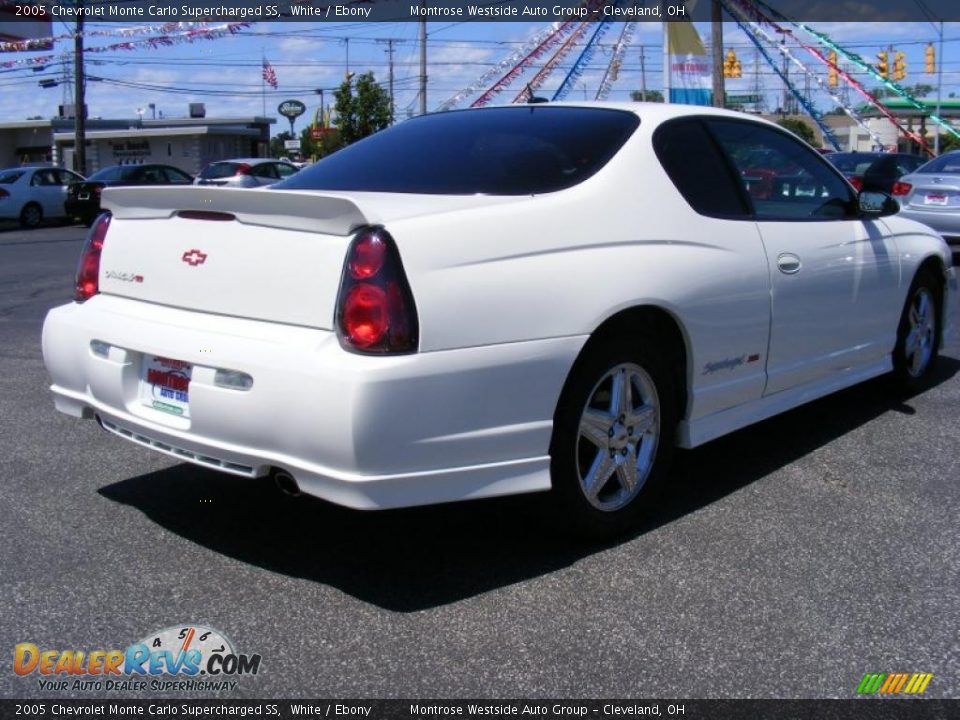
(698, 432)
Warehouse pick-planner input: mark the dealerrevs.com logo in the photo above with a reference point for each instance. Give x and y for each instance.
(185, 657)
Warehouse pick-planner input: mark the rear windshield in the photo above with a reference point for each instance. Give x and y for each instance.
(113, 174)
(949, 163)
(521, 150)
(219, 170)
(856, 163)
(8, 178)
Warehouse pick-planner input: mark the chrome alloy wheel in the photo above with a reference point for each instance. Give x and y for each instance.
(618, 434)
(922, 335)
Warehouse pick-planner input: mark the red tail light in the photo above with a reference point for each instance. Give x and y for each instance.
(857, 183)
(88, 271)
(97, 189)
(243, 169)
(902, 188)
(375, 309)
(4, 193)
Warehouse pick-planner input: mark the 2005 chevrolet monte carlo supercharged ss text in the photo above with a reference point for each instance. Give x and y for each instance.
(496, 301)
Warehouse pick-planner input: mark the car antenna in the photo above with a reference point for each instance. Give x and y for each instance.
(534, 99)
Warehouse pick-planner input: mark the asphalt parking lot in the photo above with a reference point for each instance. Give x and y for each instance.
(788, 560)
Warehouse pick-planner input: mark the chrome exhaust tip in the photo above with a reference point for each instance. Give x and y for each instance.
(286, 482)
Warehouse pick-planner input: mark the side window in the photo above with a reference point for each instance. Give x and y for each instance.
(44, 177)
(264, 170)
(698, 170)
(785, 179)
(286, 170)
(175, 177)
(65, 177)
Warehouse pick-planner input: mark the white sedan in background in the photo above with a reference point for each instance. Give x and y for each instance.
(497, 301)
(30, 194)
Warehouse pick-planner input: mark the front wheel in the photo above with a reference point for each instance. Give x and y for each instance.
(613, 436)
(918, 335)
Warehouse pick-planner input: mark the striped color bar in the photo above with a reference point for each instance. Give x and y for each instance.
(894, 683)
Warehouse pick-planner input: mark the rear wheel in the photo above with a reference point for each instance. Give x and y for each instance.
(31, 215)
(613, 436)
(918, 336)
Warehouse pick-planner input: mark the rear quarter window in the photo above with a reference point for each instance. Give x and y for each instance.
(219, 170)
(522, 150)
(698, 170)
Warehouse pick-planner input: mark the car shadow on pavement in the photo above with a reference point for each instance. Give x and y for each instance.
(414, 559)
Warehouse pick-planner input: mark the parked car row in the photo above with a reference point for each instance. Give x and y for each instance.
(33, 194)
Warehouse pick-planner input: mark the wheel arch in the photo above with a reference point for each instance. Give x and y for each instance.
(655, 320)
(28, 203)
(935, 266)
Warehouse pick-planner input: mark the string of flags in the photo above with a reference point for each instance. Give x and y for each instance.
(188, 36)
(132, 31)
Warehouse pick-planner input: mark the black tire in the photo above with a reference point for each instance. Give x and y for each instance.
(613, 509)
(918, 334)
(31, 215)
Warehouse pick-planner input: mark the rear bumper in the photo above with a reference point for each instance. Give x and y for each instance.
(82, 208)
(364, 432)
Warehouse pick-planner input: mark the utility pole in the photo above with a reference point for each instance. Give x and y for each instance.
(390, 54)
(79, 120)
(716, 33)
(423, 59)
(936, 136)
(787, 97)
(757, 88)
(346, 42)
(643, 74)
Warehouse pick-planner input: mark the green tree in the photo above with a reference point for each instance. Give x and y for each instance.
(276, 144)
(948, 142)
(798, 128)
(362, 108)
(651, 96)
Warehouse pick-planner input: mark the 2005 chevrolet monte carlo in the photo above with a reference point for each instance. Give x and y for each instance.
(497, 301)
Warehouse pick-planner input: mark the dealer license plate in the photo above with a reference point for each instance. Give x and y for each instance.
(83, 196)
(165, 385)
(935, 200)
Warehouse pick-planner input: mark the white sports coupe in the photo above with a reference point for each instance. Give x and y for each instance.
(496, 301)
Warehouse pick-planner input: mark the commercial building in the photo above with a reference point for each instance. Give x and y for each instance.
(187, 143)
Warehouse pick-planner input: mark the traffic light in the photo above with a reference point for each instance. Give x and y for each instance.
(832, 75)
(899, 65)
(731, 65)
(882, 67)
(930, 55)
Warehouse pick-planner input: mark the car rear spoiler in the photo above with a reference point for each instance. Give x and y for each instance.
(286, 209)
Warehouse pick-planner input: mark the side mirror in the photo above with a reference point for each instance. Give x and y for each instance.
(873, 203)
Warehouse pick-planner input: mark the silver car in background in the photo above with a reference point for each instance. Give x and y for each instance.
(933, 196)
(245, 172)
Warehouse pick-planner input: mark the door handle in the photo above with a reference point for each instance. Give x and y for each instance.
(788, 263)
